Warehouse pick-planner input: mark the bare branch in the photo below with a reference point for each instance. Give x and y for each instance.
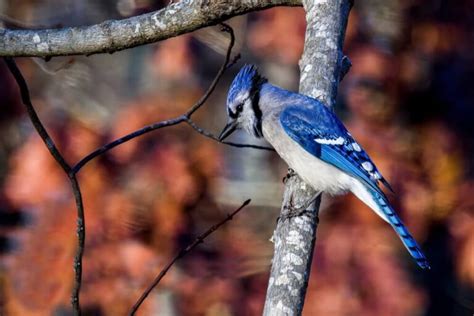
(227, 63)
(81, 228)
(110, 36)
(102, 150)
(25, 98)
(181, 254)
(214, 137)
(81, 243)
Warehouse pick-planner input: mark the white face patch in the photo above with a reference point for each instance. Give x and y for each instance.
(367, 166)
(242, 97)
(325, 141)
(356, 147)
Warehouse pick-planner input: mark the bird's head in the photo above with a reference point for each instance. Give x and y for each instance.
(243, 107)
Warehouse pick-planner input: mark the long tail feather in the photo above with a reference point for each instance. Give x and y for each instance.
(395, 221)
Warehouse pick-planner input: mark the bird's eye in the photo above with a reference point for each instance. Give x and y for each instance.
(240, 107)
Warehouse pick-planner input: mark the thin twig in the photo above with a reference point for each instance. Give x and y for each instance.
(25, 98)
(81, 230)
(227, 63)
(214, 137)
(81, 239)
(181, 254)
(186, 117)
(126, 138)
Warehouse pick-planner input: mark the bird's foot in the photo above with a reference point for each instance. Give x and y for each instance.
(292, 214)
(291, 211)
(291, 173)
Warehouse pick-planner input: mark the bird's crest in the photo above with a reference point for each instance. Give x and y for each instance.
(248, 79)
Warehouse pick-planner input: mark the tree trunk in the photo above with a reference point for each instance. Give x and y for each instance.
(322, 67)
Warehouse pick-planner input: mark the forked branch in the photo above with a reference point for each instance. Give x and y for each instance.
(81, 231)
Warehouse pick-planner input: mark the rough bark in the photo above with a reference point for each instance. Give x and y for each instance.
(114, 35)
(322, 66)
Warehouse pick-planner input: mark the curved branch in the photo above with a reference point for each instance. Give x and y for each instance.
(81, 222)
(105, 148)
(35, 120)
(114, 35)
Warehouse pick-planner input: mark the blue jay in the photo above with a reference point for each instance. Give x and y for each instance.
(313, 142)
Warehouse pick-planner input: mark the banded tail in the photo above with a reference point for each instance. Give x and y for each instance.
(377, 201)
(392, 218)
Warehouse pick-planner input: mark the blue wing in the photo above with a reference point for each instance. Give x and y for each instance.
(322, 134)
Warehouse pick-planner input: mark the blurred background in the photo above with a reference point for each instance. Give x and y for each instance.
(408, 99)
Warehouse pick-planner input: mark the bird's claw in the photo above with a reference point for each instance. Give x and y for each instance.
(291, 173)
(291, 211)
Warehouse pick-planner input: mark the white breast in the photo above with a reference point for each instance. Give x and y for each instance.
(322, 176)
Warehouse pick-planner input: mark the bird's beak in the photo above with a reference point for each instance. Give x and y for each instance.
(228, 129)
